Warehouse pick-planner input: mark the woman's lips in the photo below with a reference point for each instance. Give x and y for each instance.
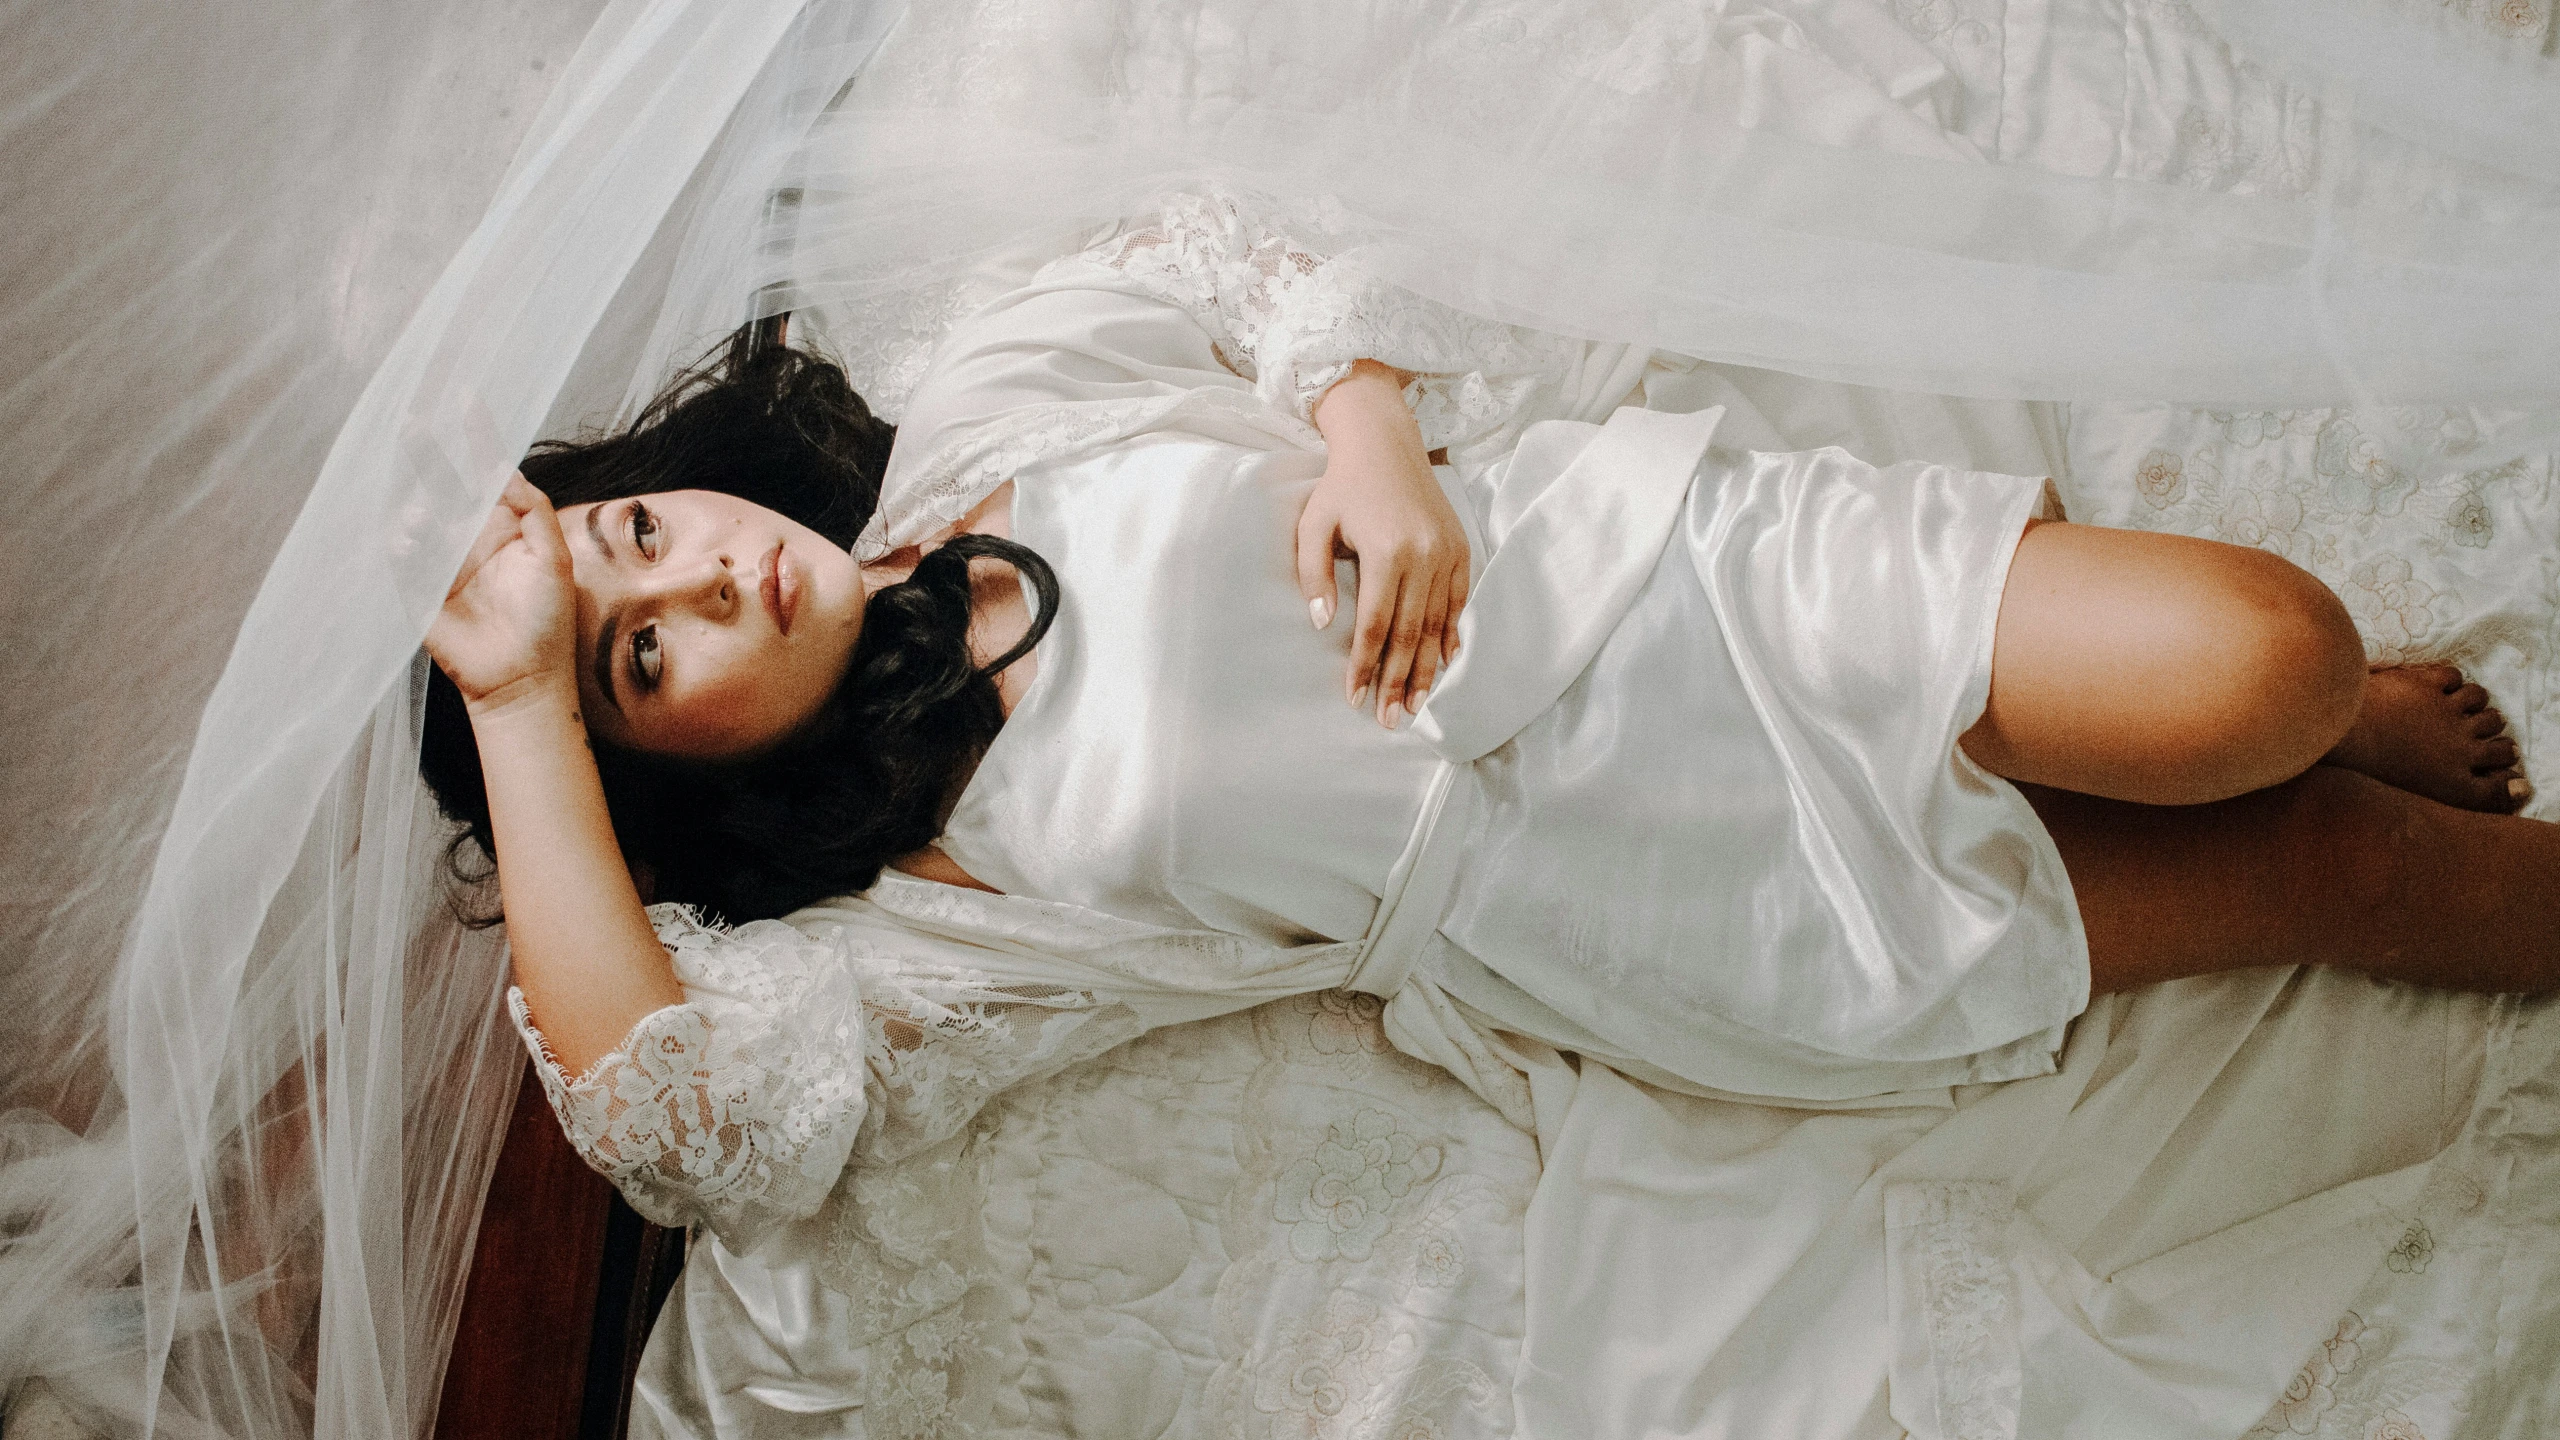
(781, 589)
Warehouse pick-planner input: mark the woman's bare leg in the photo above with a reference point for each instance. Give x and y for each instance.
(2174, 671)
(2162, 668)
(2163, 703)
(2330, 867)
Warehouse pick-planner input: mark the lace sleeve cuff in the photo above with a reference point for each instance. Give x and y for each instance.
(1295, 322)
(740, 1105)
(1468, 374)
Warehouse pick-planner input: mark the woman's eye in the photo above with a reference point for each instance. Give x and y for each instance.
(644, 530)
(645, 659)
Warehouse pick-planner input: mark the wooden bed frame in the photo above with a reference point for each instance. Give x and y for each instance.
(565, 1280)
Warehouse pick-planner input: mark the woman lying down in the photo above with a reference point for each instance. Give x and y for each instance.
(1767, 775)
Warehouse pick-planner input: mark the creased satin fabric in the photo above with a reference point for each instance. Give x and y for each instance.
(1722, 831)
(1743, 848)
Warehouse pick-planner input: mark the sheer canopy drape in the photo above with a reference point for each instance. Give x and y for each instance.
(278, 305)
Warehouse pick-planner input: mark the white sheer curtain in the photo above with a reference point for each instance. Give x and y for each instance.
(286, 1068)
(220, 218)
(258, 1072)
(1777, 184)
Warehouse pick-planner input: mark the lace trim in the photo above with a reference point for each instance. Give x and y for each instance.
(1294, 322)
(744, 1104)
(1954, 1235)
(1276, 314)
(715, 1119)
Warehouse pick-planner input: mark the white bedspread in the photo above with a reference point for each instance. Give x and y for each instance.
(2302, 1202)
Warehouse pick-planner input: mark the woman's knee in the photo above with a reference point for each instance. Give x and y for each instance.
(2272, 677)
(2163, 669)
(2293, 655)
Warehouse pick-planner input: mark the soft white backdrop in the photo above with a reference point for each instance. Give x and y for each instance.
(218, 219)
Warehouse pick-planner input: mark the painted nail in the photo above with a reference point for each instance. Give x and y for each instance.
(1395, 715)
(2519, 790)
(1360, 698)
(1320, 610)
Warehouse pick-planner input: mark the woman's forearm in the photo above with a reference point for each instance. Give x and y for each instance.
(583, 949)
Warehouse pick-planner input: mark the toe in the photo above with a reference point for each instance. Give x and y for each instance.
(2471, 698)
(2498, 754)
(2443, 677)
(2499, 792)
(2487, 723)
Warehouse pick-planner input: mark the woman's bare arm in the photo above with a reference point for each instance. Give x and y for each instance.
(589, 963)
(582, 946)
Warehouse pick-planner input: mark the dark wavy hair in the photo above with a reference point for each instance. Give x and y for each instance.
(873, 775)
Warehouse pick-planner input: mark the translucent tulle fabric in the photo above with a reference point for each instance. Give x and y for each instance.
(277, 303)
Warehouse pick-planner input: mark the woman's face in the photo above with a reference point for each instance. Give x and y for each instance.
(708, 627)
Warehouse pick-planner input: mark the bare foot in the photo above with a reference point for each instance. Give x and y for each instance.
(2428, 731)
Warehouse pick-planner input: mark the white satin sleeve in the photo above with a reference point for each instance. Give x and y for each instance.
(740, 1107)
(1294, 321)
(1204, 319)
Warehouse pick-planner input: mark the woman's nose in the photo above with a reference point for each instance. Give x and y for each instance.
(704, 585)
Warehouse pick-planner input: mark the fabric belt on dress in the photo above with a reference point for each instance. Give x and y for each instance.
(1552, 591)
(1418, 888)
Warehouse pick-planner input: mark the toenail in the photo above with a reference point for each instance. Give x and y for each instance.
(2519, 790)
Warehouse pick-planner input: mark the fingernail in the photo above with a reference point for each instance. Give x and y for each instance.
(1360, 698)
(1320, 610)
(2519, 790)
(1395, 715)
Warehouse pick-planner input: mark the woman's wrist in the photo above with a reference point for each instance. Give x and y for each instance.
(1364, 416)
(542, 700)
(1369, 393)
(527, 734)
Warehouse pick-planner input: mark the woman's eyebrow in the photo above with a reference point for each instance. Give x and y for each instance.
(604, 661)
(612, 621)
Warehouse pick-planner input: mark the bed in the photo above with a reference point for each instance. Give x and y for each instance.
(1273, 1224)
(2331, 1201)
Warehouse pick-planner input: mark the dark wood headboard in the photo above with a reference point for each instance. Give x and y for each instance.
(565, 1280)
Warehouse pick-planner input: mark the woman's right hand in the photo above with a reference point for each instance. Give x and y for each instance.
(508, 630)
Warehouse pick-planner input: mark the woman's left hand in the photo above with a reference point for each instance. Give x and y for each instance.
(1379, 506)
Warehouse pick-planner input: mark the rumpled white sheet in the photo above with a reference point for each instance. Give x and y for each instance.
(2279, 1203)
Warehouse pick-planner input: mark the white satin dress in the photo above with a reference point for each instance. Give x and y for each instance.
(1704, 813)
